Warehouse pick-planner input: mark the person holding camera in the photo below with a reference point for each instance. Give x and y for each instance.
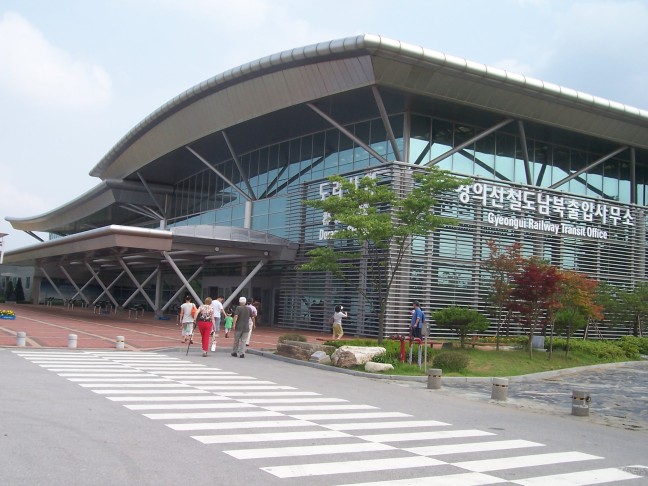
(338, 332)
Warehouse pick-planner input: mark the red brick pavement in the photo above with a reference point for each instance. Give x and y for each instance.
(49, 327)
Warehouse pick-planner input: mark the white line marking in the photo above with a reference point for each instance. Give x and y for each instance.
(292, 408)
(313, 450)
(168, 399)
(466, 479)
(188, 406)
(271, 437)
(263, 424)
(385, 425)
(581, 478)
(343, 467)
(472, 447)
(342, 416)
(524, 461)
(438, 434)
(210, 415)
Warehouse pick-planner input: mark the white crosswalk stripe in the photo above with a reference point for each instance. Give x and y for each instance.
(334, 437)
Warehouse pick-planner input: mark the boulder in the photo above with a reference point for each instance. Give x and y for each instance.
(301, 350)
(350, 356)
(372, 367)
(320, 357)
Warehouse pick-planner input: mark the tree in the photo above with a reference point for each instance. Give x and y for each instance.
(20, 293)
(461, 320)
(536, 287)
(577, 303)
(636, 304)
(381, 224)
(502, 265)
(10, 291)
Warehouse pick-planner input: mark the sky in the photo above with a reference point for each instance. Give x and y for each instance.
(77, 75)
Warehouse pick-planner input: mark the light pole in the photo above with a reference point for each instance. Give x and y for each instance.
(2, 235)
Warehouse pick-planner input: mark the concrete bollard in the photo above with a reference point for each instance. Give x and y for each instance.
(500, 389)
(21, 338)
(120, 342)
(581, 402)
(72, 340)
(434, 379)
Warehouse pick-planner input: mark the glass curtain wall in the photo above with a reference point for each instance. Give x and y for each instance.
(443, 268)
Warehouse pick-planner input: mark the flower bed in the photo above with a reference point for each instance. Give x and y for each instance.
(7, 314)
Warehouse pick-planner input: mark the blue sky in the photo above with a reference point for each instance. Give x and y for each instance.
(77, 75)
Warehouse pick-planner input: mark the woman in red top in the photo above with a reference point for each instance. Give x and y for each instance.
(206, 321)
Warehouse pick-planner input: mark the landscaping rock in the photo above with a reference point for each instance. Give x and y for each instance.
(301, 350)
(372, 367)
(350, 356)
(320, 357)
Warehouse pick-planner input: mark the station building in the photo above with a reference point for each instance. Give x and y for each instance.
(206, 194)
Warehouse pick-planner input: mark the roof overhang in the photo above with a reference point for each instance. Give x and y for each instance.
(188, 245)
(314, 72)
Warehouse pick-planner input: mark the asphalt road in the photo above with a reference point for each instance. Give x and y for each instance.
(104, 417)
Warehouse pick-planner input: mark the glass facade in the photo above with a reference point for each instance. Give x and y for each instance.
(530, 189)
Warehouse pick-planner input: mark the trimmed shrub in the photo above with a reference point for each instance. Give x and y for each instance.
(450, 361)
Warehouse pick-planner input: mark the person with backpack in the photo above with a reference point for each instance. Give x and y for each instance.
(206, 322)
(418, 318)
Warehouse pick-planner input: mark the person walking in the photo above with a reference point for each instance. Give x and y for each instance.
(228, 322)
(253, 318)
(338, 331)
(416, 326)
(219, 312)
(205, 320)
(241, 327)
(187, 319)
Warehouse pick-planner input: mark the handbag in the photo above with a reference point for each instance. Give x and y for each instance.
(194, 311)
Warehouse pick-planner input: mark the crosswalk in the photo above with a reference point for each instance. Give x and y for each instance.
(292, 433)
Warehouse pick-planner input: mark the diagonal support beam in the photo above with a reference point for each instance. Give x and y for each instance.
(42, 269)
(182, 278)
(525, 153)
(244, 174)
(245, 281)
(79, 291)
(385, 119)
(458, 148)
(103, 286)
(346, 132)
(150, 193)
(573, 175)
(140, 288)
(175, 296)
(219, 174)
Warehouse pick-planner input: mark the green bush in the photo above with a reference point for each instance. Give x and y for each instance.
(603, 350)
(641, 343)
(292, 337)
(450, 361)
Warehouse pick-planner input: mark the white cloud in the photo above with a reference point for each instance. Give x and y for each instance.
(41, 73)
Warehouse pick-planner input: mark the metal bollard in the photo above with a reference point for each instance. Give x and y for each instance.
(21, 338)
(434, 379)
(581, 402)
(72, 340)
(500, 389)
(120, 342)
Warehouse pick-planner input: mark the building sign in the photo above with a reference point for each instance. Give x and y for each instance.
(535, 208)
(328, 189)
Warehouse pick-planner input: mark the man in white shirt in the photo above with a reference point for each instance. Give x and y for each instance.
(253, 316)
(217, 305)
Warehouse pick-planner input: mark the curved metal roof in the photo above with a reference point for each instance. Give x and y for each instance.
(350, 47)
(283, 83)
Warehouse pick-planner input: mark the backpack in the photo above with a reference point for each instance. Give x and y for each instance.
(331, 320)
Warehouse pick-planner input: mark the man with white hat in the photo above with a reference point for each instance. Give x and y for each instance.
(241, 327)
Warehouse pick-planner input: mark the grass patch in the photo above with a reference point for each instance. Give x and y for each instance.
(491, 363)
